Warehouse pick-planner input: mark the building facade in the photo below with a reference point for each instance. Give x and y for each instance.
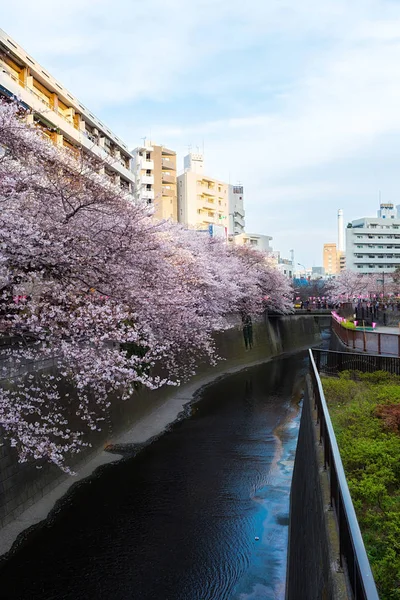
(255, 240)
(65, 120)
(330, 259)
(202, 200)
(373, 243)
(236, 210)
(154, 167)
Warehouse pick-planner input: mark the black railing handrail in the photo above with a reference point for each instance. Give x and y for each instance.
(362, 575)
(355, 354)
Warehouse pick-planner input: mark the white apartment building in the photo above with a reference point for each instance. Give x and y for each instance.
(373, 243)
(255, 240)
(202, 200)
(63, 118)
(154, 167)
(236, 210)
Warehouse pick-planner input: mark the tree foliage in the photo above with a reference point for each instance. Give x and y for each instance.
(92, 279)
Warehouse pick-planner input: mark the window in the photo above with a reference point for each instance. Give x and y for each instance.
(148, 155)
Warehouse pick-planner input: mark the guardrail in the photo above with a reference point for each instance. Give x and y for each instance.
(333, 362)
(352, 554)
(368, 341)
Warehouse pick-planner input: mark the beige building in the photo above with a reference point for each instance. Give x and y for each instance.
(257, 241)
(62, 117)
(202, 200)
(155, 179)
(330, 259)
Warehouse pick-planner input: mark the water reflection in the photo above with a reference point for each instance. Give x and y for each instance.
(179, 520)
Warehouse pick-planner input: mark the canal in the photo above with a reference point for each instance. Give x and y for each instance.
(200, 514)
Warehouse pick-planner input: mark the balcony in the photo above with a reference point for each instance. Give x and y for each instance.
(238, 219)
(146, 194)
(168, 164)
(168, 178)
(168, 191)
(147, 179)
(146, 165)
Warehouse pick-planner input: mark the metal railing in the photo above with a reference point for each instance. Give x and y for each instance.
(368, 341)
(352, 554)
(332, 362)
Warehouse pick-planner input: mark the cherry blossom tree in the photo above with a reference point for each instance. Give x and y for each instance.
(350, 285)
(90, 280)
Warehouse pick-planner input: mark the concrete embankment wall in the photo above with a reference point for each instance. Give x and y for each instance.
(23, 485)
(312, 566)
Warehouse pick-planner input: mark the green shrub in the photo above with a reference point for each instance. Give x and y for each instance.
(360, 405)
(348, 325)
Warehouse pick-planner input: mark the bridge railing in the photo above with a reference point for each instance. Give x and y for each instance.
(352, 554)
(332, 362)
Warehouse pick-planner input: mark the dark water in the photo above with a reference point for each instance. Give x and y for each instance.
(179, 520)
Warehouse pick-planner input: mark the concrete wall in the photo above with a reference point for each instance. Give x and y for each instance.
(23, 484)
(312, 566)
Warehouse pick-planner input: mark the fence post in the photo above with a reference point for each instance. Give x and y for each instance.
(398, 345)
(318, 357)
(354, 338)
(379, 343)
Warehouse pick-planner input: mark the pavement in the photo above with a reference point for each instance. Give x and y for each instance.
(384, 329)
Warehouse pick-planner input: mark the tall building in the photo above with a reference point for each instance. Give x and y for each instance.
(341, 254)
(202, 200)
(373, 243)
(340, 231)
(330, 259)
(62, 117)
(236, 210)
(155, 179)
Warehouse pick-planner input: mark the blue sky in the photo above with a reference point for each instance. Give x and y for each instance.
(298, 100)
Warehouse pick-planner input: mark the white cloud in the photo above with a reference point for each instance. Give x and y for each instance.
(337, 103)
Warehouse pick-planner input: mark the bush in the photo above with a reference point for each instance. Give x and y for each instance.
(365, 412)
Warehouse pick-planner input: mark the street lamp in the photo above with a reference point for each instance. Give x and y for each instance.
(305, 270)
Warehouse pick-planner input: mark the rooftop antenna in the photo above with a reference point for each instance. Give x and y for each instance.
(144, 141)
(379, 197)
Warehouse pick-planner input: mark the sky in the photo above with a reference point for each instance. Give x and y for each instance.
(297, 100)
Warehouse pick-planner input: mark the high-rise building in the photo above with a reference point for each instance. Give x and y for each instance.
(236, 210)
(155, 179)
(341, 254)
(340, 231)
(330, 259)
(62, 117)
(202, 200)
(373, 243)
